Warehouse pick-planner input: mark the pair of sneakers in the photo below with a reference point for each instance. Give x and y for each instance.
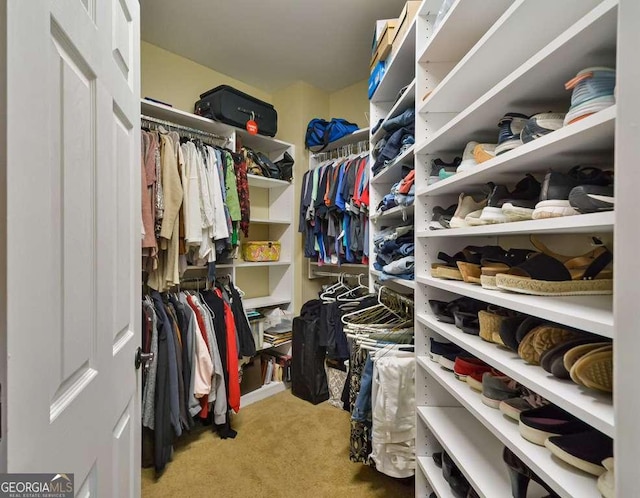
(517, 129)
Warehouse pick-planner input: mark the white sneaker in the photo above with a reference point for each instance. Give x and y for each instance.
(468, 160)
(466, 205)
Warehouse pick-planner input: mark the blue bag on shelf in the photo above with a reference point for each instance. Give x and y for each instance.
(320, 133)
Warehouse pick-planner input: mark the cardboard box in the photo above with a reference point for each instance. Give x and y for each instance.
(405, 19)
(384, 45)
(376, 77)
(377, 33)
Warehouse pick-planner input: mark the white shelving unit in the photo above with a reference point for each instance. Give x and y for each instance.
(271, 217)
(274, 217)
(466, 80)
(387, 103)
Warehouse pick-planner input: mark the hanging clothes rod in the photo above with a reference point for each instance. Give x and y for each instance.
(343, 151)
(178, 127)
(338, 274)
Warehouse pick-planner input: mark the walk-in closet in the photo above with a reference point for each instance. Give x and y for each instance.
(376, 248)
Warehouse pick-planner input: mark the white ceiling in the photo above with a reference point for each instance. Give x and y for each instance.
(271, 43)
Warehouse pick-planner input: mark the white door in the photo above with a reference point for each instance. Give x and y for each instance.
(71, 402)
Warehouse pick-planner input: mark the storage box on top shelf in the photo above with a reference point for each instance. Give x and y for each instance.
(376, 77)
(381, 24)
(405, 19)
(383, 49)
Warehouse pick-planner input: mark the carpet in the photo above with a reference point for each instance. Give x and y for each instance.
(285, 448)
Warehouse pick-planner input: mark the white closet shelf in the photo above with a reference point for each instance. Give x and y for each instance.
(565, 147)
(400, 69)
(267, 221)
(342, 265)
(263, 182)
(448, 42)
(406, 284)
(595, 408)
(255, 264)
(584, 223)
(266, 345)
(566, 480)
(588, 313)
(537, 85)
(433, 473)
(398, 213)
(262, 393)
(480, 64)
(405, 102)
(265, 301)
(476, 452)
(352, 138)
(268, 145)
(393, 172)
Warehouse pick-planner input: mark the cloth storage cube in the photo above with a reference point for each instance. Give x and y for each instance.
(261, 250)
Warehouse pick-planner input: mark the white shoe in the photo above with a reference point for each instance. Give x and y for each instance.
(468, 160)
(553, 209)
(466, 204)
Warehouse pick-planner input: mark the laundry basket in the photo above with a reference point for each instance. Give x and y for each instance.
(261, 250)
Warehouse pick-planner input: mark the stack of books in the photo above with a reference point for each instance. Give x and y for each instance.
(276, 338)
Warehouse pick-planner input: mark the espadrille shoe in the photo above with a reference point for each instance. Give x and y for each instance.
(501, 263)
(470, 272)
(448, 269)
(542, 338)
(491, 322)
(607, 481)
(574, 354)
(595, 370)
(543, 275)
(584, 451)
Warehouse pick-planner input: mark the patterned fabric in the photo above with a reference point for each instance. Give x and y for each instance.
(242, 183)
(360, 440)
(336, 379)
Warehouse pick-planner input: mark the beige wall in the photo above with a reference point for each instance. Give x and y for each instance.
(179, 81)
(351, 103)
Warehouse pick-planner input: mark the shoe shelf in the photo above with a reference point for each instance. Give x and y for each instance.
(448, 42)
(433, 473)
(255, 264)
(595, 408)
(406, 101)
(537, 85)
(588, 313)
(513, 38)
(457, 430)
(400, 282)
(392, 173)
(473, 448)
(589, 137)
(594, 223)
(400, 68)
(396, 214)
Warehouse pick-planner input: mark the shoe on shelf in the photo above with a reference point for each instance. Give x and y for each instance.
(593, 90)
(545, 275)
(504, 206)
(607, 481)
(540, 125)
(511, 125)
(552, 360)
(474, 379)
(529, 400)
(459, 486)
(496, 389)
(466, 204)
(595, 370)
(439, 349)
(592, 198)
(445, 311)
(449, 468)
(468, 160)
(584, 451)
(543, 338)
(547, 421)
(484, 152)
(437, 458)
(520, 475)
(441, 217)
(441, 169)
(556, 188)
(467, 322)
(491, 321)
(468, 365)
(500, 263)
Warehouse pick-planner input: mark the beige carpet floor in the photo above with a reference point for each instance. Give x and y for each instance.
(285, 448)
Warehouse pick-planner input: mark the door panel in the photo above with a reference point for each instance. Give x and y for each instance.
(73, 242)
